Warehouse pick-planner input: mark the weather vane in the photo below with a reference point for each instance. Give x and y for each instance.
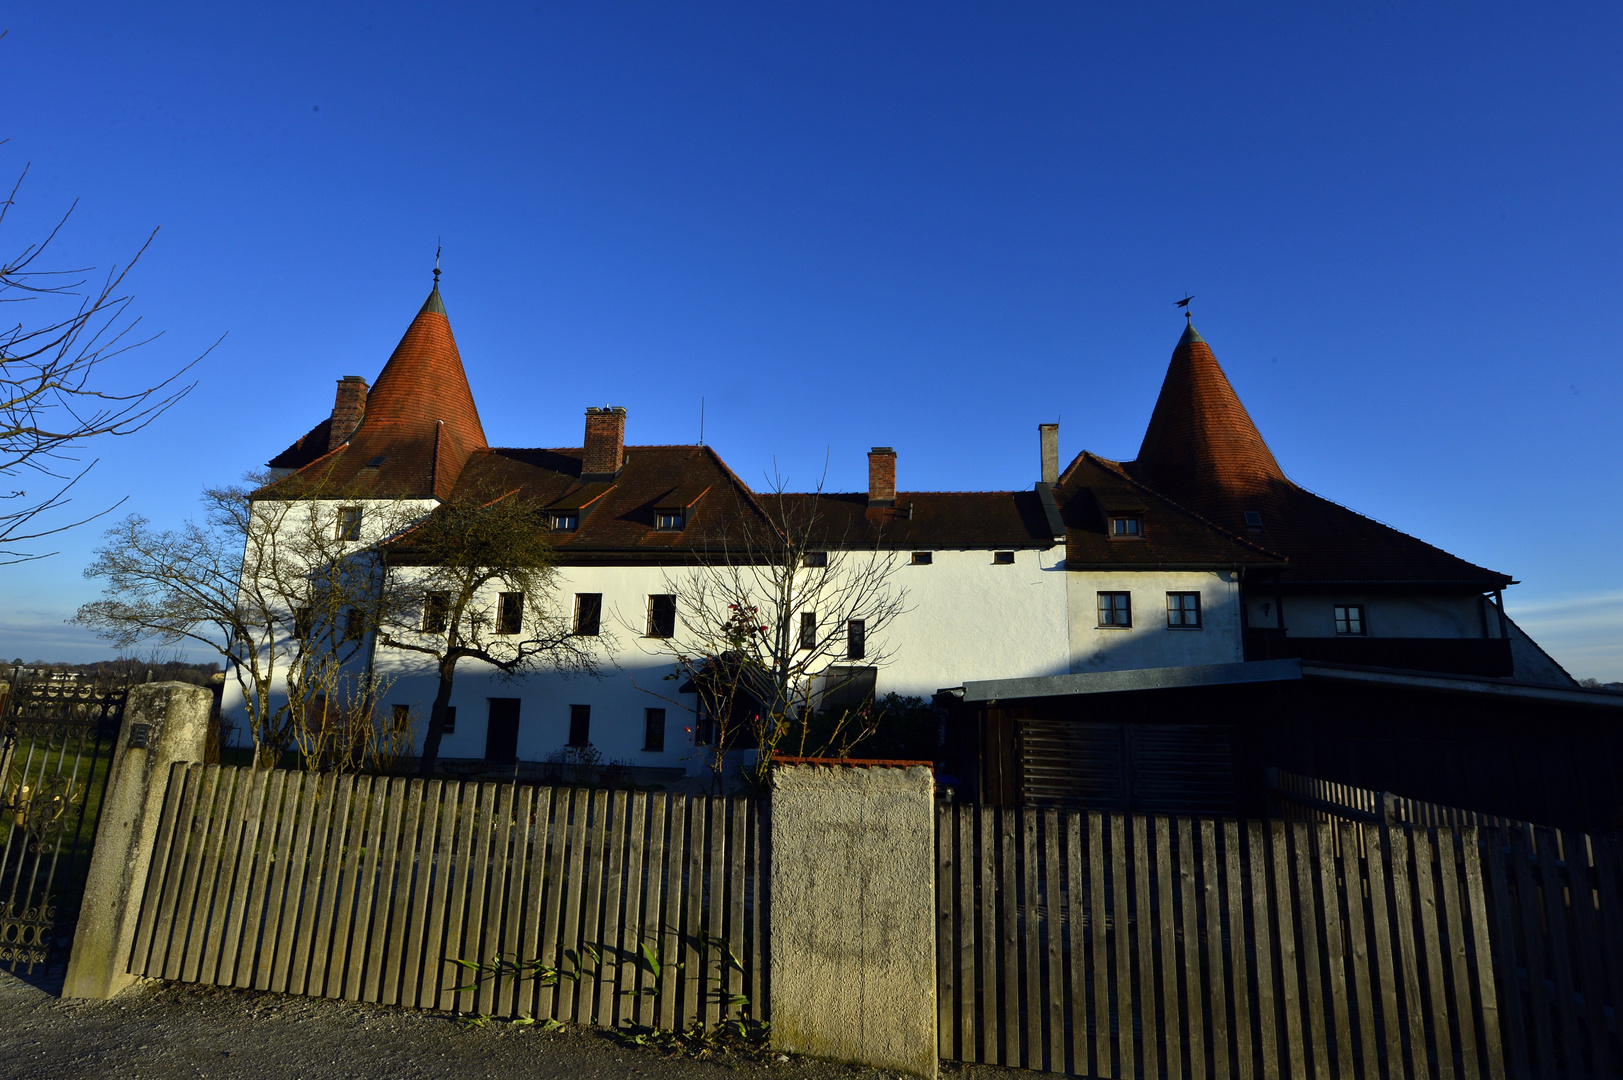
(1184, 303)
(437, 248)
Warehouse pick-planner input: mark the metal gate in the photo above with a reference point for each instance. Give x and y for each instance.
(57, 734)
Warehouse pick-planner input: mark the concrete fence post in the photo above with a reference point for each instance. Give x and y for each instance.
(163, 723)
(852, 914)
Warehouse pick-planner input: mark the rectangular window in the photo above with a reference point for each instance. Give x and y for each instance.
(349, 523)
(704, 729)
(662, 615)
(815, 558)
(653, 733)
(668, 520)
(501, 731)
(450, 720)
(580, 725)
(565, 522)
(1183, 610)
(1253, 519)
(922, 558)
(1115, 609)
(1003, 558)
(509, 612)
(400, 717)
(588, 613)
(1349, 620)
(808, 630)
(856, 640)
(303, 623)
(1126, 528)
(436, 608)
(354, 624)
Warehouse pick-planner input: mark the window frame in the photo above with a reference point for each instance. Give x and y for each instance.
(808, 630)
(580, 720)
(815, 560)
(1136, 520)
(649, 729)
(450, 721)
(349, 523)
(662, 519)
(508, 623)
(570, 516)
(1198, 624)
(856, 639)
(399, 717)
(1126, 611)
(649, 628)
(1002, 558)
(436, 612)
(596, 629)
(922, 558)
(1338, 616)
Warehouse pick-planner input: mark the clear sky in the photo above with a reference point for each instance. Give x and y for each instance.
(930, 226)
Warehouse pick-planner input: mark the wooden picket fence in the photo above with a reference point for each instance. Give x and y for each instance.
(1128, 946)
(1307, 798)
(369, 888)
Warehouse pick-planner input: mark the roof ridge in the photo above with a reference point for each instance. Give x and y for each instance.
(1117, 468)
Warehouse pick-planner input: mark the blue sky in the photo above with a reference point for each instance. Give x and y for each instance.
(930, 226)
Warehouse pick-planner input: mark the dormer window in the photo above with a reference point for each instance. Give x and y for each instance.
(1124, 527)
(1253, 519)
(668, 520)
(566, 522)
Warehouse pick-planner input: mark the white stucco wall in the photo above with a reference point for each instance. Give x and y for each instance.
(1150, 642)
(1385, 616)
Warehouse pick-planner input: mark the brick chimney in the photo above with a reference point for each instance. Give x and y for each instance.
(881, 476)
(1048, 436)
(348, 408)
(605, 443)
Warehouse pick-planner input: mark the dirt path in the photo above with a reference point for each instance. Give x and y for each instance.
(169, 1032)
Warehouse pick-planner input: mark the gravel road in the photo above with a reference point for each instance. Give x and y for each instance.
(167, 1031)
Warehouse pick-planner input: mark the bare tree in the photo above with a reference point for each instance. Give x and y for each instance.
(285, 590)
(477, 581)
(783, 621)
(58, 391)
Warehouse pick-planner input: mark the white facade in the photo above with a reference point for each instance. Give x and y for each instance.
(1151, 640)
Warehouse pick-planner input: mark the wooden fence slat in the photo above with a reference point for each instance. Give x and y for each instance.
(340, 959)
(435, 971)
(1353, 876)
(736, 845)
(1611, 918)
(760, 954)
(1426, 911)
(316, 875)
(254, 955)
(968, 927)
(608, 939)
(1532, 938)
(249, 858)
(208, 865)
(1053, 906)
(1581, 893)
(1077, 928)
(332, 864)
(196, 826)
(549, 998)
(1166, 950)
(292, 900)
(224, 847)
(1008, 902)
(1120, 916)
(1198, 1026)
(945, 890)
(489, 884)
(535, 867)
(1030, 938)
(292, 795)
(692, 1007)
(590, 892)
(452, 976)
(1457, 962)
(403, 872)
(380, 877)
(1144, 927)
(715, 962)
(991, 830)
(668, 943)
(158, 873)
(1240, 991)
(1257, 849)
(1403, 918)
(1506, 1037)
(485, 821)
(416, 936)
(1310, 914)
(1291, 995)
(1335, 945)
(1549, 853)
(648, 930)
(514, 913)
(629, 984)
(1378, 851)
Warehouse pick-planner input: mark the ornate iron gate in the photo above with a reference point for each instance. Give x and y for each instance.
(57, 734)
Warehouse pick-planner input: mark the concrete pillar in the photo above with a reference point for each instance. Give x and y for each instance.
(163, 723)
(852, 919)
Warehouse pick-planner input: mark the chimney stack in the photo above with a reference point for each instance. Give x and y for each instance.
(1048, 436)
(605, 443)
(348, 409)
(881, 476)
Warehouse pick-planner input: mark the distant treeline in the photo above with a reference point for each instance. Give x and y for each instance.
(129, 670)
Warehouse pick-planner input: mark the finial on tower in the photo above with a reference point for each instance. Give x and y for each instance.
(437, 248)
(1184, 303)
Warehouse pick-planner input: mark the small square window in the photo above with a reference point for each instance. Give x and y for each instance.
(808, 630)
(436, 610)
(1126, 528)
(1003, 558)
(668, 521)
(349, 523)
(565, 522)
(1253, 519)
(662, 616)
(856, 639)
(815, 558)
(1183, 610)
(580, 725)
(374, 462)
(400, 717)
(509, 612)
(450, 720)
(923, 558)
(1115, 609)
(588, 614)
(1349, 620)
(354, 624)
(653, 731)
